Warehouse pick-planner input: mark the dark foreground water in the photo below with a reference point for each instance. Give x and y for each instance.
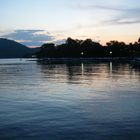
(99, 101)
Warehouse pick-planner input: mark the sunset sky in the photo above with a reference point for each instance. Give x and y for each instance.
(33, 22)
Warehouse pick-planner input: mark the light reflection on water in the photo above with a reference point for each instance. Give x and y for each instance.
(69, 101)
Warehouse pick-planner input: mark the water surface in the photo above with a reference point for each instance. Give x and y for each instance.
(98, 101)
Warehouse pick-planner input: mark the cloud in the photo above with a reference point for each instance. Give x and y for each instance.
(101, 7)
(30, 37)
(120, 14)
(126, 16)
(120, 21)
(58, 42)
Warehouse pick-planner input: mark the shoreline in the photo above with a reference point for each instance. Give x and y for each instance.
(48, 60)
(132, 60)
(90, 59)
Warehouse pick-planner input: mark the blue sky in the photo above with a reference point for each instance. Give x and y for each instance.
(33, 22)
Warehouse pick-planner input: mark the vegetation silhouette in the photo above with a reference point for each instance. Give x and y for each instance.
(74, 48)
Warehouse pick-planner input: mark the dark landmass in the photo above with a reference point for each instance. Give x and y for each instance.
(72, 49)
(12, 49)
(89, 49)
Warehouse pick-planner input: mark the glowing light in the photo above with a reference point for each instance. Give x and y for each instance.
(110, 52)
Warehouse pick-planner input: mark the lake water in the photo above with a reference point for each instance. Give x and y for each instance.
(98, 101)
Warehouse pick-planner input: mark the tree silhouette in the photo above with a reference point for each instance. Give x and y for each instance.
(88, 48)
(139, 40)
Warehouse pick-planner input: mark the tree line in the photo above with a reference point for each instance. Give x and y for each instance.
(89, 48)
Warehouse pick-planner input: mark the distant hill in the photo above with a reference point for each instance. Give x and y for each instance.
(12, 49)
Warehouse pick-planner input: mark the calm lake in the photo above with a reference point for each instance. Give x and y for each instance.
(98, 101)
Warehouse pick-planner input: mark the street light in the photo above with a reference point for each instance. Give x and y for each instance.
(82, 53)
(110, 52)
